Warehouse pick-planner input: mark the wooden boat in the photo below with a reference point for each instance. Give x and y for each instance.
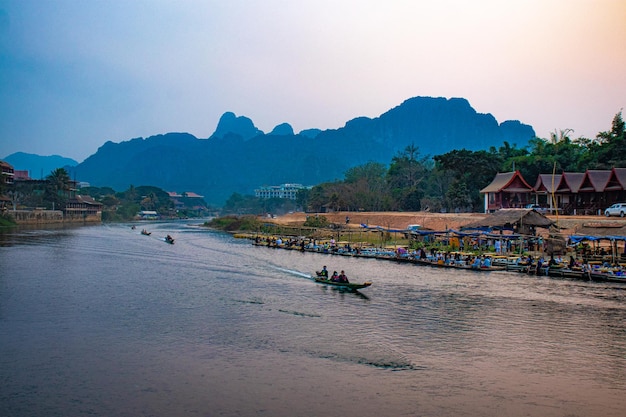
(145, 232)
(345, 285)
(607, 277)
(169, 239)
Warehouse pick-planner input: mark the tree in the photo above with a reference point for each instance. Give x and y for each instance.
(57, 188)
(406, 177)
(366, 187)
(317, 197)
(471, 171)
(16, 197)
(609, 148)
(302, 197)
(458, 197)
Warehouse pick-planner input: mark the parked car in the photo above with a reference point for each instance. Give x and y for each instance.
(617, 209)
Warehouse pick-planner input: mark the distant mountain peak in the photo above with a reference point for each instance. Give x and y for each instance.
(38, 166)
(283, 129)
(240, 125)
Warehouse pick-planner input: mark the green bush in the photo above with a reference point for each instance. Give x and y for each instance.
(6, 220)
(234, 223)
(316, 221)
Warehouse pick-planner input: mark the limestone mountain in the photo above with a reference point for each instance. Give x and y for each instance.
(38, 166)
(238, 157)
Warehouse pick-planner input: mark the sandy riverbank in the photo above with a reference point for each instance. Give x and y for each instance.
(433, 221)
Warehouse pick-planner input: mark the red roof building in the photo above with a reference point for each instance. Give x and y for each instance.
(588, 192)
(507, 190)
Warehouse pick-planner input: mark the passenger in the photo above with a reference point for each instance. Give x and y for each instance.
(476, 263)
(343, 278)
(487, 263)
(552, 261)
(334, 277)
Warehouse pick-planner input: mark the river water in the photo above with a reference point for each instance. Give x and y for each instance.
(102, 321)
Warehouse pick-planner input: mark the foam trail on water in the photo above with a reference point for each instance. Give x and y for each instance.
(298, 273)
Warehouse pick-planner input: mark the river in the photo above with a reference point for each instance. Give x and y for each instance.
(102, 321)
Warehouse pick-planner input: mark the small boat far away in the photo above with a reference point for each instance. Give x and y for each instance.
(169, 239)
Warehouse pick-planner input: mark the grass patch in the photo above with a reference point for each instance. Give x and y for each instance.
(6, 220)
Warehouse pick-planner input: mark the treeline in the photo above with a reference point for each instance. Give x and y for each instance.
(449, 182)
(124, 205)
(56, 190)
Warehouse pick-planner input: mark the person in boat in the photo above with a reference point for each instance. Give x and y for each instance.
(324, 272)
(133, 227)
(540, 263)
(487, 262)
(476, 263)
(572, 262)
(334, 277)
(169, 238)
(342, 277)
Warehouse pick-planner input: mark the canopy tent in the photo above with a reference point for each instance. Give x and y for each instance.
(579, 238)
(478, 232)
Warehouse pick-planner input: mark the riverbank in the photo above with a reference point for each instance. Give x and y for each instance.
(443, 221)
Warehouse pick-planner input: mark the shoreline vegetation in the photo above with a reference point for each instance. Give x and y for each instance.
(7, 221)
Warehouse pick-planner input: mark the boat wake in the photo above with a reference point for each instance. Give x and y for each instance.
(296, 273)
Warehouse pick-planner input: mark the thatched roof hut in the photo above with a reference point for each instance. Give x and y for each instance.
(517, 219)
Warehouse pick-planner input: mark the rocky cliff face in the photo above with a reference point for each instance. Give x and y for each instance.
(238, 157)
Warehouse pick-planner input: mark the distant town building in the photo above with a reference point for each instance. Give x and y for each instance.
(148, 215)
(7, 173)
(187, 200)
(83, 207)
(288, 191)
(22, 175)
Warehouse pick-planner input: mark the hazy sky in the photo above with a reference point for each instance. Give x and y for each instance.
(77, 73)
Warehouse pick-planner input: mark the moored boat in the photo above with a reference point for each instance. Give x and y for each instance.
(608, 276)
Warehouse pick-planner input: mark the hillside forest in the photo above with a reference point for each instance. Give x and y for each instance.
(450, 182)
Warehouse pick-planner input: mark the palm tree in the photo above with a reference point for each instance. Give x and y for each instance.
(58, 187)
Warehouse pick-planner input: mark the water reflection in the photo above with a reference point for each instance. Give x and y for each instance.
(102, 320)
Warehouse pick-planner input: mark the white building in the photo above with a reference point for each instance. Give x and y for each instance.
(288, 191)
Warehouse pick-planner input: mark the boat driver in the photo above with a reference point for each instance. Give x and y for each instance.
(324, 272)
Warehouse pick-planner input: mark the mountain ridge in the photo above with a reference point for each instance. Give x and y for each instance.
(239, 157)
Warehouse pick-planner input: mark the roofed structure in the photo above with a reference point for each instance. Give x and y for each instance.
(618, 179)
(595, 181)
(548, 183)
(572, 181)
(588, 192)
(514, 219)
(508, 189)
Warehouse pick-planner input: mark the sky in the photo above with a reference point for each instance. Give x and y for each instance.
(75, 74)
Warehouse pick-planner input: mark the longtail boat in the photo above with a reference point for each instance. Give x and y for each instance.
(345, 285)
